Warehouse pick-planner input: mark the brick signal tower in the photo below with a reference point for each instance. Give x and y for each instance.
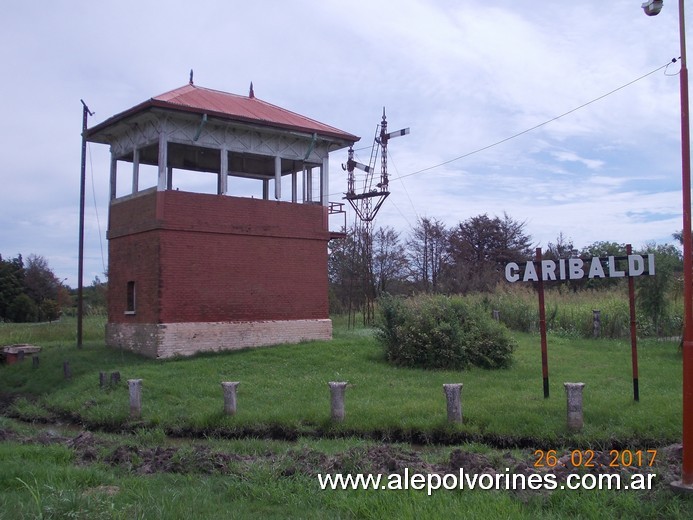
(193, 271)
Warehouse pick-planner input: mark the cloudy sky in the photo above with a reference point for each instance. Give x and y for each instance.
(462, 74)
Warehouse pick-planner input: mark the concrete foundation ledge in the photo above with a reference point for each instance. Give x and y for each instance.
(167, 340)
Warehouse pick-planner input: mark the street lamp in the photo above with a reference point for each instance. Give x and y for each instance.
(652, 8)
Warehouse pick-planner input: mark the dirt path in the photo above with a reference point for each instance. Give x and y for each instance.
(186, 456)
(196, 456)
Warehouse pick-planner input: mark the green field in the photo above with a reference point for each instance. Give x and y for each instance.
(184, 458)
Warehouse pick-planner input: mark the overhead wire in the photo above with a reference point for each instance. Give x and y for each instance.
(535, 127)
(506, 139)
(96, 210)
(406, 192)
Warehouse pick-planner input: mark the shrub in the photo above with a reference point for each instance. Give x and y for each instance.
(23, 309)
(441, 332)
(49, 310)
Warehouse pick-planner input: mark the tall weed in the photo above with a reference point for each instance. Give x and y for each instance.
(571, 314)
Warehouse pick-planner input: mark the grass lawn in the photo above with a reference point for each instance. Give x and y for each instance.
(283, 395)
(284, 389)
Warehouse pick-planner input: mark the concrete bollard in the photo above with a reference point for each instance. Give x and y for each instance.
(596, 323)
(67, 371)
(115, 378)
(102, 379)
(337, 391)
(453, 394)
(135, 387)
(35, 362)
(229, 388)
(574, 397)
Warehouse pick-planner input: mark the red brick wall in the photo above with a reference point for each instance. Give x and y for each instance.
(197, 257)
(133, 252)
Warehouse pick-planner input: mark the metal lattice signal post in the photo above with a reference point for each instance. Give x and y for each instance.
(367, 203)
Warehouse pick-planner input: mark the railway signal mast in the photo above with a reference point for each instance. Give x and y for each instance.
(367, 202)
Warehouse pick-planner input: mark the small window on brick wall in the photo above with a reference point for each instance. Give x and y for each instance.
(130, 309)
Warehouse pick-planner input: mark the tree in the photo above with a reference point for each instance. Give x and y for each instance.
(355, 279)
(344, 269)
(41, 285)
(515, 244)
(49, 310)
(427, 249)
(28, 292)
(678, 235)
(601, 249)
(479, 249)
(95, 296)
(389, 259)
(23, 309)
(653, 291)
(562, 248)
(39, 280)
(11, 284)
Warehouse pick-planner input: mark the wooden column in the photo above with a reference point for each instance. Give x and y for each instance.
(309, 186)
(223, 172)
(278, 178)
(303, 184)
(163, 159)
(325, 182)
(114, 175)
(135, 170)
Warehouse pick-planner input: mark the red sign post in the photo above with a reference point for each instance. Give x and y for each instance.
(633, 331)
(538, 270)
(542, 325)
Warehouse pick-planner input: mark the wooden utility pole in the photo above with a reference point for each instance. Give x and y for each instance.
(82, 181)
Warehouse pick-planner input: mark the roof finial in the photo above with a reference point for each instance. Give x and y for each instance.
(191, 77)
(251, 94)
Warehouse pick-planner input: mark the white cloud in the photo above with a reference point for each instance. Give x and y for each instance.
(462, 75)
(592, 164)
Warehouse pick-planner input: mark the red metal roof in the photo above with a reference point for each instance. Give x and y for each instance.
(191, 98)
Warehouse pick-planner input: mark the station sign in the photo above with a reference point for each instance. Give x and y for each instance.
(579, 268)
